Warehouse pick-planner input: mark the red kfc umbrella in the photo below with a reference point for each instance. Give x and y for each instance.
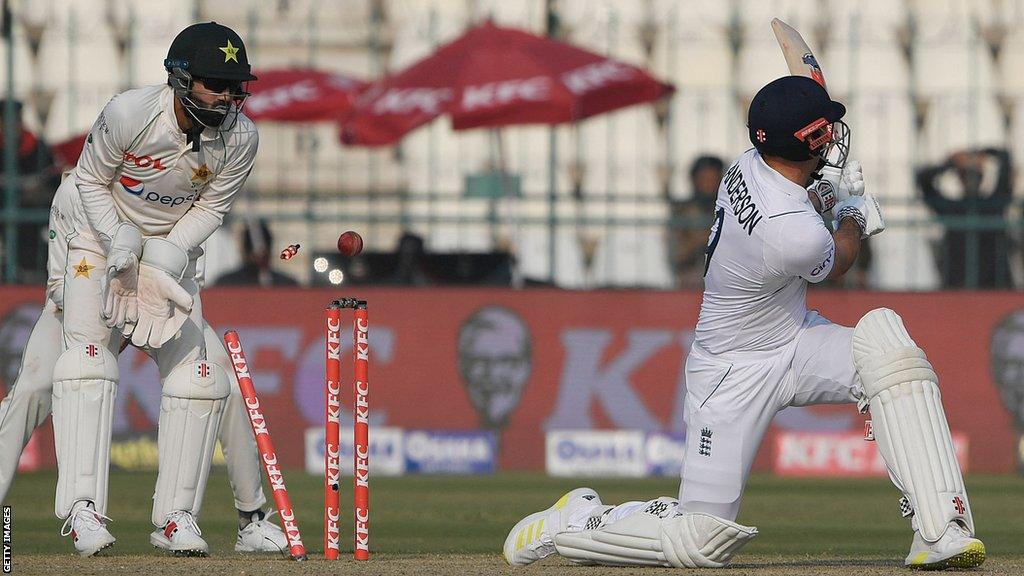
(494, 76)
(301, 95)
(66, 152)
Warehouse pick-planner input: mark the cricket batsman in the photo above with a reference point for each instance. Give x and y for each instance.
(158, 173)
(758, 349)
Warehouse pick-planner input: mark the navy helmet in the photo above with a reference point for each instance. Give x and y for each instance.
(794, 118)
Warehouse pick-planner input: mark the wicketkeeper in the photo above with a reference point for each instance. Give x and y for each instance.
(28, 402)
(158, 173)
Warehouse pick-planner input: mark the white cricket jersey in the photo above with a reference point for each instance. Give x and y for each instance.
(766, 243)
(138, 167)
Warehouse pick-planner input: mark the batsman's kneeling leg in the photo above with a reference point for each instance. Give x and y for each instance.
(193, 401)
(909, 422)
(84, 387)
(658, 535)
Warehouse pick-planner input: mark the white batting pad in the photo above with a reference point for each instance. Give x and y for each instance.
(658, 536)
(703, 540)
(193, 400)
(909, 422)
(84, 387)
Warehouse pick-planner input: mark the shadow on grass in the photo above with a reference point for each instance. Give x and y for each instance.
(821, 563)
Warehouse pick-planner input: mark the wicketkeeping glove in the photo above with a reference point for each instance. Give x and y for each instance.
(159, 291)
(120, 281)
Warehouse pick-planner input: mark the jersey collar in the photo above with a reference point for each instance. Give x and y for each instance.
(778, 181)
(167, 106)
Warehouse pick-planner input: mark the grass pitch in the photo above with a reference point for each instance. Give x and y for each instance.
(456, 525)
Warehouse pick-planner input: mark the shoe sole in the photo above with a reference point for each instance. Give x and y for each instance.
(972, 557)
(251, 550)
(185, 552)
(96, 552)
(522, 533)
(254, 551)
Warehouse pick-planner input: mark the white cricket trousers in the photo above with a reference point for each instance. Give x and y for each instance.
(27, 406)
(732, 398)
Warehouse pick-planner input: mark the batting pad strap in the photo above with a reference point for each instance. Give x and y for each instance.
(884, 353)
(905, 364)
(199, 380)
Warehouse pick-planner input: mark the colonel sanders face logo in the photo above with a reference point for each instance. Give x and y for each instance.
(1007, 358)
(494, 361)
(15, 328)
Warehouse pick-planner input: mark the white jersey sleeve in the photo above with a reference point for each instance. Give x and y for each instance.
(98, 165)
(809, 250)
(208, 211)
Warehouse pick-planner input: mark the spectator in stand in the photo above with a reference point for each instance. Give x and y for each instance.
(37, 178)
(257, 249)
(691, 221)
(409, 265)
(984, 244)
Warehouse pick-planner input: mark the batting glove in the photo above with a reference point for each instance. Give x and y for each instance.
(835, 186)
(864, 210)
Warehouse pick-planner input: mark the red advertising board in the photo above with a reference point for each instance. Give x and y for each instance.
(844, 454)
(523, 362)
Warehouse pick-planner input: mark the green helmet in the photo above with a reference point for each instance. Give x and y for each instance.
(210, 50)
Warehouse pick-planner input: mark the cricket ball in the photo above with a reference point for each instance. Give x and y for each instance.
(350, 243)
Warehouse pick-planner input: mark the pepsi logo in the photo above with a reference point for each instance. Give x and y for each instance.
(131, 185)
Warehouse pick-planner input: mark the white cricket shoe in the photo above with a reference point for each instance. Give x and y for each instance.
(180, 536)
(88, 529)
(261, 535)
(955, 549)
(532, 538)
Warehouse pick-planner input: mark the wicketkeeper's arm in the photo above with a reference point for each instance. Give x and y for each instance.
(97, 166)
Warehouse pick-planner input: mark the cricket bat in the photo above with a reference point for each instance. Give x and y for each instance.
(799, 58)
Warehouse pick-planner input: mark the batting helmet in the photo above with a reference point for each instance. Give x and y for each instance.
(794, 118)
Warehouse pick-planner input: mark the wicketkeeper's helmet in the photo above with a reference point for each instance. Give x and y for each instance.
(216, 55)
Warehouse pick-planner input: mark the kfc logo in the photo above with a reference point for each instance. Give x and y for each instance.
(495, 355)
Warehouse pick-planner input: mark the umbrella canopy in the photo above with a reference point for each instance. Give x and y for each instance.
(494, 76)
(66, 152)
(301, 95)
(286, 95)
